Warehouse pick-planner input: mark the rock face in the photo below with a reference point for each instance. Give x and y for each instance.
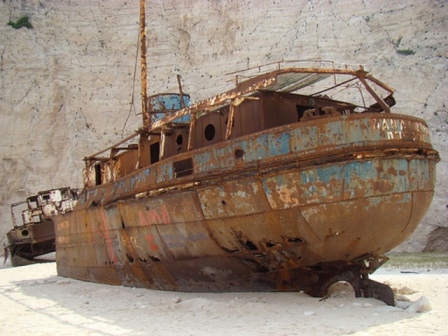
(67, 84)
(437, 240)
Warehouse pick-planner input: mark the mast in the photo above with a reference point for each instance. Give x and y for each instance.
(144, 147)
(145, 114)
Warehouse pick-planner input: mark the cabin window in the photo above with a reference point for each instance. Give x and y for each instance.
(209, 132)
(154, 152)
(183, 167)
(98, 179)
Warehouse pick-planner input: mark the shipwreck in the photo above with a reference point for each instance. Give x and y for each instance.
(34, 236)
(296, 178)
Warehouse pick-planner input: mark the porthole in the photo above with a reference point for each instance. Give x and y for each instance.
(239, 153)
(209, 132)
(179, 139)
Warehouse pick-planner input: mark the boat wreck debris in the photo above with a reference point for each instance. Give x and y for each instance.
(35, 236)
(296, 178)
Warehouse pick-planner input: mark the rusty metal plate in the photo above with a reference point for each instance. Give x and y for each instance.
(232, 199)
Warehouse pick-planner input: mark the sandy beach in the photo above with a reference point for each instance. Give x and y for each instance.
(36, 301)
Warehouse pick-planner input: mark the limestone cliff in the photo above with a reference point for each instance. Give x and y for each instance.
(67, 84)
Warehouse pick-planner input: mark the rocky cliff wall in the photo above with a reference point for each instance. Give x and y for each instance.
(67, 84)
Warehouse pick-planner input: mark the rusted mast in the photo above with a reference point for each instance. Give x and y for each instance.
(143, 147)
(145, 114)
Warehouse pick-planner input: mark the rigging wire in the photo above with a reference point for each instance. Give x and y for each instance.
(132, 107)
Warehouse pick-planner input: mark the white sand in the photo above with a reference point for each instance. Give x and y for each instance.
(35, 301)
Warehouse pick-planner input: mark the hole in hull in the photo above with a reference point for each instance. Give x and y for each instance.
(239, 153)
(250, 246)
(270, 244)
(296, 240)
(155, 259)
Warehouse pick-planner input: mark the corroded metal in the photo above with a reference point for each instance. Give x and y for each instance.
(143, 64)
(286, 182)
(35, 235)
(258, 212)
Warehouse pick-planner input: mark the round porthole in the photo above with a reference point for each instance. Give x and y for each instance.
(239, 153)
(209, 132)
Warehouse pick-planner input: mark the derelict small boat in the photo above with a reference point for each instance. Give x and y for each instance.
(34, 236)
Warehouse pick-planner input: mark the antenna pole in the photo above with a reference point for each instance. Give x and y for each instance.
(182, 104)
(144, 86)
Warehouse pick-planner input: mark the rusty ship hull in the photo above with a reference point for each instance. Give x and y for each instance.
(297, 177)
(296, 207)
